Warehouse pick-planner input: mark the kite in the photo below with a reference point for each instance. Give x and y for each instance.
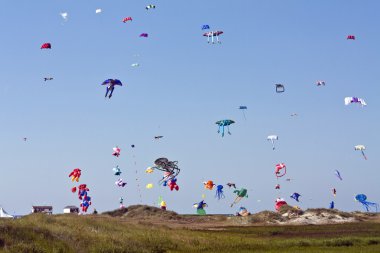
(145, 35)
(279, 203)
(120, 183)
(231, 185)
(209, 185)
(163, 205)
(111, 85)
(213, 34)
(332, 205)
(296, 196)
(240, 194)
(280, 88)
(200, 207)
(149, 186)
(48, 78)
(277, 187)
(121, 201)
(75, 175)
(205, 27)
(46, 46)
(224, 123)
(242, 108)
(125, 20)
(97, 11)
(64, 15)
(158, 137)
(169, 167)
(25, 138)
(116, 151)
(173, 184)
(333, 191)
(337, 173)
(150, 6)
(82, 191)
(272, 138)
(149, 170)
(351, 37)
(361, 148)
(279, 167)
(117, 171)
(362, 198)
(294, 114)
(350, 100)
(86, 202)
(320, 83)
(135, 65)
(242, 212)
(219, 192)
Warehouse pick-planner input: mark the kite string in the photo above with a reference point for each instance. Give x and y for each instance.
(137, 177)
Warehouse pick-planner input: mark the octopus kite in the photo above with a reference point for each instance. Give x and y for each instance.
(213, 34)
(362, 198)
(224, 123)
(209, 185)
(111, 86)
(219, 192)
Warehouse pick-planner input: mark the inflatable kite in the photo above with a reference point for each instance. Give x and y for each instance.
(351, 37)
(362, 198)
(172, 184)
(361, 148)
(46, 46)
(231, 185)
(280, 88)
(150, 6)
(163, 205)
(333, 191)
(280, 167)
(111, 86)
(240, 194)
(205, 27)
(337, 174)
(279, 203)
(120, 183)
(213, 34)
(82, 191)
(242, 212)
(350, 100)
(75, 175)
(149, 186)
(332, 205)
(296, 196)
(125, 20)
(165, 165)
(86, 202)
(200, 207)
(209, 185)
(272, 138)
(224, 123)
(116, 151)
(243, 108)
(116, 171)
(219, 192)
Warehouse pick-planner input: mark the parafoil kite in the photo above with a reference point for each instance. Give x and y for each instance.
(240, 194)
(205, 27)
(145, 35)
(111, 85)
(362, 198)
(125, 20)
(351, 37)
(150, 6)
(361, 148)
(75, 175)
(350, 100)
(116, 171)
(200, 207)
(280, 88)
(158, 137)
(231, 185)
(279, 167)
(295, 196)
(48, 78)
(321, 83)
(116, 151)
(209, 185)
(243, 108)
(332, 205)
(219, 192)
(272, 138)
(46, 46)
(337, 173)
(120, 183)
(224, 123)
(213, 34)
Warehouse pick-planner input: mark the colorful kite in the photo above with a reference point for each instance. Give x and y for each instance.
(125, 20)
(150, 6)
(116, 151)
(224, 123)
(111, 85)
(116, 171)
(361, 148)
(213, 34)
(351, 37)
(209, 185)
(362, 198)
(280, 167)
(200, 207)
(145, 35)
(350, 100)
(46, 46)
(75, 175)
(205, 27)
(240, 194)
(219, 192)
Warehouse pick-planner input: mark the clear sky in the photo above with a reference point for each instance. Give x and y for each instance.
(181, 88)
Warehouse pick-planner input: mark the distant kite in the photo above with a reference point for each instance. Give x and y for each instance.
(272, 138)
(361, 148)
(280, 88)
(337, 173)
(97, 11)
(224, 123)
(351, 100)
(362, 198)
(213, 34)
(125, 20)
(144, 35)
(351, 37)
(321, 83)
(46, 46)
(150, 6)
(243, 108)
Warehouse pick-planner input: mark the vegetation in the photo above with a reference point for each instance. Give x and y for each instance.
(104, 233)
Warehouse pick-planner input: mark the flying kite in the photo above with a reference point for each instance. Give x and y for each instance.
(172, 183)
(135, 65)
(272, 138)
(75, 175)
(224, 123)
(279, 203)
(111, 85)
(279, 167)
(145, 35)
(116, 171)
(332, 204)
(295, 196)
(125, 20)
(231, 185)
(25, 138)
(209, 185)
(294, 114)
(240, 194)
(48, 78)
(321, 83)
(120, 183)
(242, 108)
(97, 11)
(46, 46)
(86, 202)
(351, 37)
(64, 15)
(350, 100)
(280, 88)
(121, 202)
(277, 187)
(200, 207)
(158, 137)
(116, 151)
(219, 192)
(149, 170)
(211, 35)
(333, 191)
(169, 167)
(362, 198)
(150, 6)
(149, 186)
(242, 212)
(205, 27)
(337, 173)
(361, 148)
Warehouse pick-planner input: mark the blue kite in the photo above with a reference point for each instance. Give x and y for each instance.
(224, 123)
(332, 204)
(205, 27)
(295, 196)
(219, 192)
(337, 173)
(111, 85)
(362, 198)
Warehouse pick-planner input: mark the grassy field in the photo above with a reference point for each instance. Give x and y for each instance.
(101, 233)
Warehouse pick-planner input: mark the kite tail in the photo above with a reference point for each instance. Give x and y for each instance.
(222, 131)
(228, 128)
(364, 155)
(107, 92)
(237, 199)
(273, 145)
(244, 115)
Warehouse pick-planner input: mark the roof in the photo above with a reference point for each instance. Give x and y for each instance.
(42, 207)
(70, 207)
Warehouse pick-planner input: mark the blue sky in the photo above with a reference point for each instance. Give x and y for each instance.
(184, 85)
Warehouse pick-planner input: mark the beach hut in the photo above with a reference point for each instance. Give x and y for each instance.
(42, 209)
(71, 209)
(4, 214)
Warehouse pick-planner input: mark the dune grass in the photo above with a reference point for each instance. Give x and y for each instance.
(99, 233)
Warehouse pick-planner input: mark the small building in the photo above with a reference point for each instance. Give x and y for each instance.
(42, 209)
(71, 209)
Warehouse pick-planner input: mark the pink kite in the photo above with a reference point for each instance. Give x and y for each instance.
(125, 20)
(46, 46)
(279, 167)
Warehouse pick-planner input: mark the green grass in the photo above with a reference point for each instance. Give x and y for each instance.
(68, 233)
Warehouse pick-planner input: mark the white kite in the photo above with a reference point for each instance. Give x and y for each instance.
(272, 138)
